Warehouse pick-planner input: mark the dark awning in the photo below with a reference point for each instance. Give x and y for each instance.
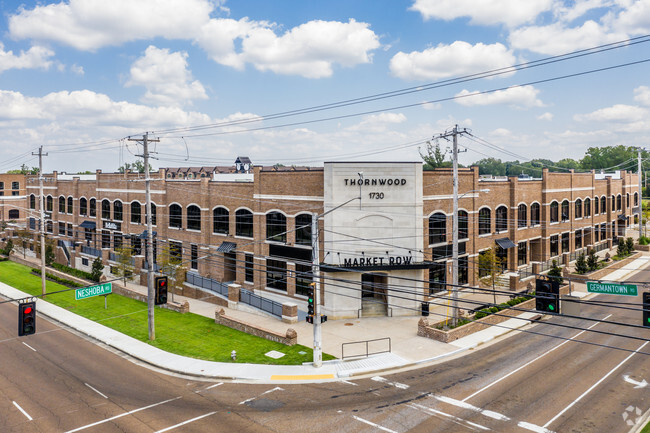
(226, 247)
(143, 235)
(622, 218)
(505, 243)
(88, 225)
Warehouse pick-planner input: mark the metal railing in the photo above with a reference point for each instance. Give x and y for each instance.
(156, 266)
(91, 251)
(249, 298)
(207, 283)
(366, 348)
(64, 247)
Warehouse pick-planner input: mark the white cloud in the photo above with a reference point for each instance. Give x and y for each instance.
(459, 58)
(166, 77)
(35, 57)
(524, 96)
(92, 24)
(309, 50)
(378, 122)
(618, 113)
(642, 95)
(634, 19)
(578, 8)
(509, 12)
(546, 116)
(557, 39)
(79, 70)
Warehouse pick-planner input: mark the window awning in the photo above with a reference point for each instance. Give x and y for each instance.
(226, 247)
(505, 243)
(143, 235)
(88, 225)
(622, 217)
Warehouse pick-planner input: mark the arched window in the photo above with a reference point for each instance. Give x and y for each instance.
(193, 217)
(522, 215)
(106, 209)
(578, 208)
(32, 201)
(244, 223)
(596, 203)
(303, 229)
(83, 206)
(603, 204)
(437, 228)
(48, 202)
(14, 214)
(463, 228)
(92, 208)
(70, 206)
(117, 210)
(587, 206)
(175, 216)
(613, 203)
(501, 219)
(61, 204)
(220, 221)
(534, 214)
(484, 221)
(136, 212)
(554, 212)
(276, 227)
(636, 199)
(619, 204)
(565, 210)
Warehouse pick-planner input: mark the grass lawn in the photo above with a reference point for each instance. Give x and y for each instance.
(184, 334)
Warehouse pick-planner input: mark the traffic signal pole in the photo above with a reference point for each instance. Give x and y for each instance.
(42, 206)
(315, 269)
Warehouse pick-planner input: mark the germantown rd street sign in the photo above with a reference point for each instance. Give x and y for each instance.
(611, 288)
(87, 292)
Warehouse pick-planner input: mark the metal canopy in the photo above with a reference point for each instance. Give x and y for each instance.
(505, 243)
(143, 235)
(226, 247)
(88, 225)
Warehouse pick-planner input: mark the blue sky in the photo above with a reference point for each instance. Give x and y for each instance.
(78, 76)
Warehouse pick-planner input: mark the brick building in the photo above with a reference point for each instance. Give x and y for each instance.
(12, 197)
(391, 248)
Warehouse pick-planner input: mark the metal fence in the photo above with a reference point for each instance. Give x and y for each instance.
(91, 251)
(359, 349)
(600, 247)
(267, 305)
(207, 283)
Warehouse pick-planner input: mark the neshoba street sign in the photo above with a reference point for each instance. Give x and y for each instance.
(611, 288)
(87, 292)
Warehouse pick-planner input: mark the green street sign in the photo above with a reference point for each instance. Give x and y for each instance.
(611, 288)
(87, 292)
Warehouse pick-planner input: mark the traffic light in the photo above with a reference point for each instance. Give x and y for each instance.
(323, 318)
(547, 296)
(646, 309)
(161, 290)
(26, 318)
(310, 304)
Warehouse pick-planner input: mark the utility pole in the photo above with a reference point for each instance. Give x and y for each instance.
(454, 249)
(638, 149)
(42, 206)
(149, 238)
(315, 270)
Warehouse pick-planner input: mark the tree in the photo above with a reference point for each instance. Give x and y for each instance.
(607, 157)
(24, 170)
(434, 157)
(581, 264)
(97, 269)
(491, 166)
(170, 264)
(124, 268)
(629, 244)
(137, 166)
(592, 261)
(555, 273)
(49, 252)
(9, 246)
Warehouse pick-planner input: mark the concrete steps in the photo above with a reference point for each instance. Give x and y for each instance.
(373, 309)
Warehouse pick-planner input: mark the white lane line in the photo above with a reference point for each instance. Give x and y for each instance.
(595, 385)
(277, 388)
(533, 360)
(374, 425)
(533, 427)
(446, 415)
(209, 387)
(23, 411)
(349, 383)
(121, 415)
(185, 422)
(95, 390)
(463, 405)
(395, 384)
(29, 346)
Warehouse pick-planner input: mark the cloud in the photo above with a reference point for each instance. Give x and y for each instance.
(79, 70)
(166, 77)
(378, 122)
(634, 19)
(509, 12)
(523, 96)
(642, 95)
(35, 57)
(88, 25)
(546, 116)
(309, 50)
(459, 58)
(619, 113)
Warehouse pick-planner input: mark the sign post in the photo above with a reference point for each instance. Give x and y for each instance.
(612, 288)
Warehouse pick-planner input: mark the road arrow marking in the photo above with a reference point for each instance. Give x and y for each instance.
(636, 384)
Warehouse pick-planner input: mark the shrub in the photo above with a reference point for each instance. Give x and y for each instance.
(97, 268)
(62, 281)
(644, 240)
(72, 271)
(481, 314)
(581, 264)
(555, 273)
(629, 244)
(494, 309)
(592, 261)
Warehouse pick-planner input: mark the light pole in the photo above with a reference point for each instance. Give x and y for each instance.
(454, 253)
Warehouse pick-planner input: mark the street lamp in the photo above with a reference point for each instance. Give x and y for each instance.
(454, 253)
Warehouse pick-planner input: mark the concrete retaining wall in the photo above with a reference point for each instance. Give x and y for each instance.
(289, 339)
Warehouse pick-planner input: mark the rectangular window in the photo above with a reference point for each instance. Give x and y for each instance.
(194, 259)
(596, 234)
(303, 279)
(117, 241)
(62, 229)
(554, 246)
(84, 261)
(88, 234)
(603, 231)
(70, 233)
(276, 274)
(248, 268)
(463, 273)
(521, 254)
(15, 192)
(106, 239)
(578, 239)
(437, 278)
(136, 245)
(565, 242)
(15, 185)
(49, 227)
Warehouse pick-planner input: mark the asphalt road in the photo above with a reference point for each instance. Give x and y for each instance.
(56, 381)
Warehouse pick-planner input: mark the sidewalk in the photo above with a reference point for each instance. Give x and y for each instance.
(407, 349)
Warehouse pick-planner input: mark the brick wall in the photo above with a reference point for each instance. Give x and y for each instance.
(289, 339)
